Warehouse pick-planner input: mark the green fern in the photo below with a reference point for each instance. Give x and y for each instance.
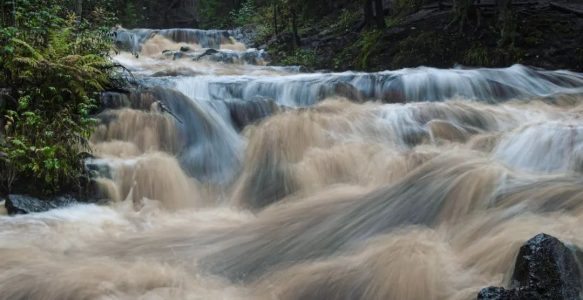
(56, 74)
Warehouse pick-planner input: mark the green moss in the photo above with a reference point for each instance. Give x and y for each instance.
(300, 57)
(393, 21)
(425, 48)
(478, 55)
(346, 20)
(508, 55)
(369, 43)
(402, 7)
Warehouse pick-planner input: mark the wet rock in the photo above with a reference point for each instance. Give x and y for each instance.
(178, 55)
(342, 89)
(96, 192)
(23, 204)
(174, 72)
(244, 113)
(3, 210)
(114, 100)
(206, 52)
(174, 55)
(97, 168)
(547, 265)
(125, 40)
(497, 293)
(545, 269)
(247, 35)
(184, 49)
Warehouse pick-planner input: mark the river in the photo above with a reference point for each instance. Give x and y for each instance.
(228, 178)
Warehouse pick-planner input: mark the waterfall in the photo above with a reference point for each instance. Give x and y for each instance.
(228, 178)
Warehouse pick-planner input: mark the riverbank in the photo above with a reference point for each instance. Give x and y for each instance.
(546, 35)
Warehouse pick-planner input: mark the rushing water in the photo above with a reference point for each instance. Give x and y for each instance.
(231, 179)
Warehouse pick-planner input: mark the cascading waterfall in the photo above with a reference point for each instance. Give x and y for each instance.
(231, 179)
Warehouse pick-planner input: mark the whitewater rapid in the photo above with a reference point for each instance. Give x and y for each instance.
(228, 178)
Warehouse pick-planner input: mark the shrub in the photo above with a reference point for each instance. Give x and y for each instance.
(54, 68)
(369, 43)
(347, 19)
(300, 57)
(477, 56)
(245, 14)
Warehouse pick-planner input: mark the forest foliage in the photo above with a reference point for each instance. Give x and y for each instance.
(53, 66)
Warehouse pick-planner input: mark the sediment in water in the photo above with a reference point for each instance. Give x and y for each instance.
(258, 182)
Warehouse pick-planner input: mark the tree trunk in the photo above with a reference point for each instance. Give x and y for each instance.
(379, 14)
(169, 8)
(295, 28)
(275, 29)
(368, 12)
(79, 8)
(506, 21)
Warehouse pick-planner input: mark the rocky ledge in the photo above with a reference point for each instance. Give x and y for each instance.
(545, 269)
(23, 204)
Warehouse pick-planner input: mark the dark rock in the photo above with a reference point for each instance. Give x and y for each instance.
(94, 193)
(496, 293)
(22, 204)
(244, 113)
(247, 35)
(184, 49)
(176, 72)
(96, 168)
(178, 55)
(210, 51)
(342, 89)
(545, 269)
(125, 40)
(5, 97)
(548, 266)
(114, 100)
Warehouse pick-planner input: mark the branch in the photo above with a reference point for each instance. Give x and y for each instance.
(567, 8)
(112, 66)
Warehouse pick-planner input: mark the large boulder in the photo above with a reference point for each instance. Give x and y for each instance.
(23, 204)
(545, 269)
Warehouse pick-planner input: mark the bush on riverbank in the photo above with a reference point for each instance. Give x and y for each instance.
(54, 65)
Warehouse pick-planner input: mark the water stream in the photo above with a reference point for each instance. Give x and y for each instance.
(229, 178)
